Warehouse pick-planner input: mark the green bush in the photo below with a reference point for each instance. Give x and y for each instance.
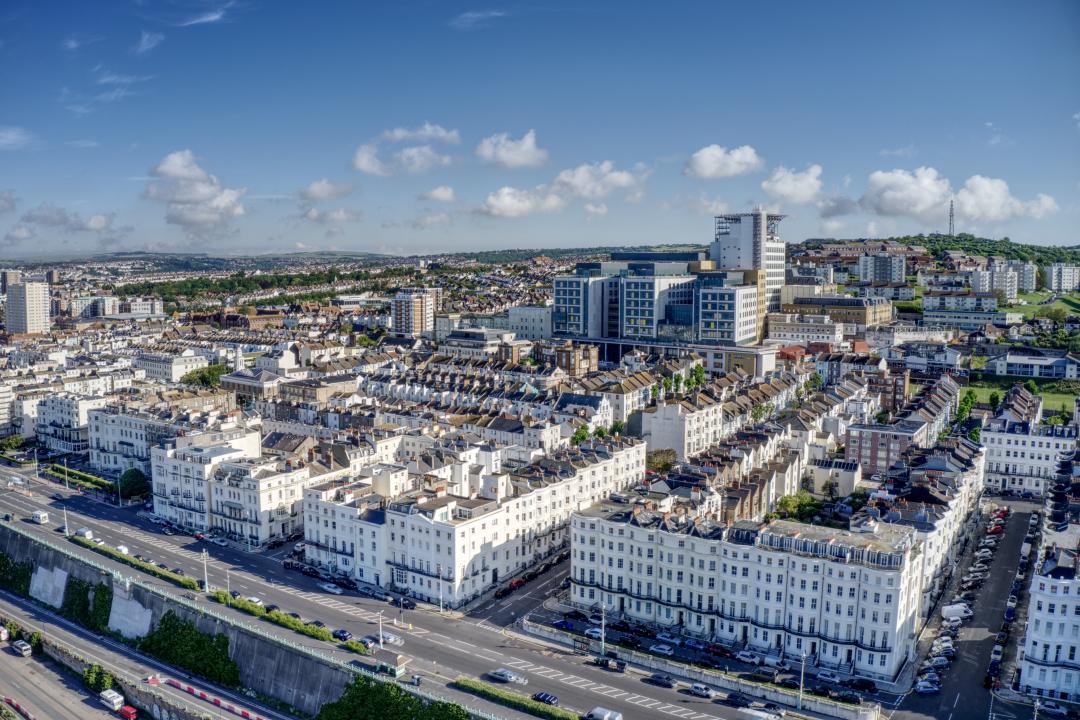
(98, 678)
(149, 568)
(369, 698)
(101, 607)
(511, 699)
(79, 478)
(76, 603)
(178, 642)
(15, 576)
(286, 621)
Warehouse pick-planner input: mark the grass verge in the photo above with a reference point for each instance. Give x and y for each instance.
(149, 568)
(511, 699)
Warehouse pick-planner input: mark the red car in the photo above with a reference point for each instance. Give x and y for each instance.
(198, 536)
(718, 649)
(996, 530)
(516, 583)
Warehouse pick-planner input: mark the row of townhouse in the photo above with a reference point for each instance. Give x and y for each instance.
(691, 422)
(843, 599)
(462, 526)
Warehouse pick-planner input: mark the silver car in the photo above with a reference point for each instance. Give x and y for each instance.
(508, 676)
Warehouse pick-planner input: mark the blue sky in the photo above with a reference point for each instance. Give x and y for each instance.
(404, 127)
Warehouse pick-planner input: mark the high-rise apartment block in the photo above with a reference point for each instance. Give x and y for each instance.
(413, 312)
(9, 278)
(1062, 278)
(751, 241)
(27, 309)
(882, 268)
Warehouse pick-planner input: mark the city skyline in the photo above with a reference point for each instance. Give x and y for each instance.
(242, 127)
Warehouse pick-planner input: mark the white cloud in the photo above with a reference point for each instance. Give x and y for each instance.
(901, 152)
(195, 199)
(476, 19)
(710, 206)
(715, 161)
(148, 41)
(425, 133)
(500, 149)
(595, 211)
(922, 195)
(206, 18)
(7, 201)
(51, 216)
(323, 189)
(17, 234)
(509, 202)
(14, 138)
(430, 220)
(793, 187)
(836, 206)
(596, 180)
(442, 193)
(989, 199)
(330, 217)
(111, 78)
(367, 161)
(84, 144)
(1076, 117)
(420, 158)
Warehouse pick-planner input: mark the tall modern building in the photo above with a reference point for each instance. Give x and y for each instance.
(883, 268)
(751, 241)
(9, 278)
(413, 312)
(27, 310)
(1062, 278)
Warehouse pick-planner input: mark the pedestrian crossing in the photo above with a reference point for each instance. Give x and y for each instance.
(607, 690)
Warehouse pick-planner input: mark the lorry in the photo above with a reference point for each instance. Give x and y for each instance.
(40, 517)
(957, 611)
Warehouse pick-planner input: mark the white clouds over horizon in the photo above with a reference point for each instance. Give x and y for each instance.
(442, 193)
(324, 189)
(195, 200)
(795, 188)
(501, 149)
(716, 161)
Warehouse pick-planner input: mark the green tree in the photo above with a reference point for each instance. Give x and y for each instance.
(178, 642)
(816, 382)
(11, 442)
(758, 412)
(698, 373)
(882, 417)
(655, 391)
(134, 483)
(617, 427)
(676, 382)
(975, 433)
(367, 698)
(600, 432)
(1040, 278)
(995, 400)
(580, 435)
(209, 376)
(1032, 387)
(667, 385)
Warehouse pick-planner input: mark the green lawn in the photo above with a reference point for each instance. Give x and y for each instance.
(1051, 401)
(1070, 303)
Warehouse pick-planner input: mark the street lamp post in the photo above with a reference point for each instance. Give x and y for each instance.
(802, 679)
(205, 577)
(228, 582)
(438, 571)
(603, 624)
(380, 630)
(66, 531)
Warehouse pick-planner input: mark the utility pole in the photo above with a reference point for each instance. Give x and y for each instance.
(205, 577)
(603, 624)
(67, 483)
(438, 571)
(228, 582)
(802, 678)
(66, 529)
(380, 631)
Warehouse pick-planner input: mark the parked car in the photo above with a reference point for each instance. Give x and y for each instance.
(661, 680)
(331, 588)
(747, 657)
(736, 699)
(847, 696)
(593, 633)
(828, 676)
(669, 639)
(575, 615)
(702, 691)
(343, 635)
(861, 684)
(1052, 709)
(694, 644)
(936, 663)
(661, 649)
(997, 653)
(927, 688)
(562, 625)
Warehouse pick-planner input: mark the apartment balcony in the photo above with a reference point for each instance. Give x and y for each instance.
(421, 571)
(326, 548)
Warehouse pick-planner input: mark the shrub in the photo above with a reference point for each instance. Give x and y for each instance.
(369, 698)
(15, 576)
(286, 621)
(98, 678)
(511, 699)
(178, 642)
(149, 568)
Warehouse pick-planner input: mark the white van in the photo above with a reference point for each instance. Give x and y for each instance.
(21, 647)
(40, 517)
(111, 699)
(85, 533)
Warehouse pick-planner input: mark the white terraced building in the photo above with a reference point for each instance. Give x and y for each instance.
(844, 599)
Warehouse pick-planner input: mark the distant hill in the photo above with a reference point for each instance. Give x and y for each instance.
(936, 244)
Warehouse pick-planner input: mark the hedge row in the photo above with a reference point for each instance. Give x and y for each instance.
(512, 699)
(286, 621)
(150, 568)
(79, 478)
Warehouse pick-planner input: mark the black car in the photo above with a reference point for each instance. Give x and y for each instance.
(347, 583)
(309, 571)
(821, 691)
(620, 625)
(660, 680)
(316, 623)
(862, 684)
(502, 592)
(789, 683)
(272, 608)
(403, 602)
(234, 594)
(738, 700)
(575, 615)
(290, 564)
(847, 696)
(343, 635)
(1002, 638)
(630, 641)
(546, 698)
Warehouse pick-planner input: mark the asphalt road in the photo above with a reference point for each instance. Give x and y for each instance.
(442, 648)
(962, 695)
(46, 691)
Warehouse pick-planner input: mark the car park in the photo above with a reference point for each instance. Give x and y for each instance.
(546, 698)
(661, 649)
(508, 676)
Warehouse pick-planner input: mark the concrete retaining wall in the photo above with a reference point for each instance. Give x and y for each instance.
(724, 681)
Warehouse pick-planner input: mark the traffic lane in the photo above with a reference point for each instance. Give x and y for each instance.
(46, 691)
(439, 653)
(506, 611)
(976, 638)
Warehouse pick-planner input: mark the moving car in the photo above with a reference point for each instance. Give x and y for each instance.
(331, 588)
(927, 688)
(1052, 709)
(546, 698)
(747, 657)
(661, 680)
(828, 676)
(701, 690)
(508, 676)
(661, 649)
(343, 635)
